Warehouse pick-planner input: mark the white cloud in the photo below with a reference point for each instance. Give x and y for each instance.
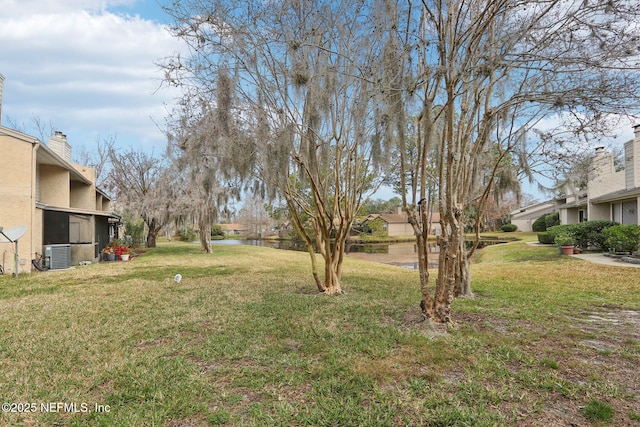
(86, 70)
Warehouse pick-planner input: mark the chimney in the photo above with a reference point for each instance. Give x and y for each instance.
(599, 151)
(58, 143)
(636, 130)
(1, 90)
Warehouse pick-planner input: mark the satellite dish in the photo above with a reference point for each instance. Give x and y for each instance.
(12, 234)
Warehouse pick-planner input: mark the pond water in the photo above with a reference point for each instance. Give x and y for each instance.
(403, 254)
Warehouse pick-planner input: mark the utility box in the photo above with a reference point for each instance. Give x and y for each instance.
(57, 256)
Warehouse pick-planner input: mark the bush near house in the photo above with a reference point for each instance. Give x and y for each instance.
(216, 231)
(545, 221)
(552, 219)
(622, 238)
(508, 228)
(546, 238)
(375, 227)
(135, 230)
(587, 235)
(539, 225)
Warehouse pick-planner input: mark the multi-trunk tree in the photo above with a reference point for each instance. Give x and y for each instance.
(484, 74)
(324, 88)
(304, 85)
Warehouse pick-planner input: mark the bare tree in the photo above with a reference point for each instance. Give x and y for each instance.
(302, 76)
(98, 158)
(42, 130)
(486, 73)
(254, 215)
(140, 183)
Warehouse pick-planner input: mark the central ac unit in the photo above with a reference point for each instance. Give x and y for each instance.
(58, 256)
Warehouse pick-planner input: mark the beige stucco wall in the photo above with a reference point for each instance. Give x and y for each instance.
(82, 253)
(526, 216)
(82, 196)
(570, 215)
(398, 229)
(16, 198)
(600, 212)
(605, 184)
(54, 186)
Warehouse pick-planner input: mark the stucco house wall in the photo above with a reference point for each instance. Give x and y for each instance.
(610, 195)
(40, 183)
(525, 217)
(17, 195)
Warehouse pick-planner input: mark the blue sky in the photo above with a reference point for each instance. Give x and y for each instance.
(86, 68)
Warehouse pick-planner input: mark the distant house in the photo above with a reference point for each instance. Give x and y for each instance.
(234, 229)
(610, 195)
(397, 223)
(525, 217)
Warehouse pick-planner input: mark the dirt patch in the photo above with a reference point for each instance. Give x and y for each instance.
(564, 365)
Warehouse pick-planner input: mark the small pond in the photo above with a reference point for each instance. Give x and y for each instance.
(403, 254)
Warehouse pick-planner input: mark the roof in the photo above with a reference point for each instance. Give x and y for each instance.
(618, 195)
(394, 218)
(46, 156)
(534, 207)
(402, 218)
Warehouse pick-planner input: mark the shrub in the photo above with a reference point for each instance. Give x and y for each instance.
(564, 239)
(622, 238)
(556, 229)
(539, 225)
(135, 230)
(216, 230)
(508, 228)
(590, 234)
(546, 238)
(552, 219)
(587, 235)
(189, 235)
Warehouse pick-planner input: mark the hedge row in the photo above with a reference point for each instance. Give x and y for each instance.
(585, 235)
(622, 238)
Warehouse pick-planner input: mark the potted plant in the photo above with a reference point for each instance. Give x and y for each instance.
(566, 242)
(109, 252)
(125, 253)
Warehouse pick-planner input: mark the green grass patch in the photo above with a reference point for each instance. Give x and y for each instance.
(597, 410)
(244, 339)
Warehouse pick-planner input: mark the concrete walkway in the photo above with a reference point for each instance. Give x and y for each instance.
(597, 258)
(601, 259)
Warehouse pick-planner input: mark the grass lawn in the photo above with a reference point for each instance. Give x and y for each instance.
(244, 339)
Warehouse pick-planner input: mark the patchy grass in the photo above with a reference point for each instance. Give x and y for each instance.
(245, 340)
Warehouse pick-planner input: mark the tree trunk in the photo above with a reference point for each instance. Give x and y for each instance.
(332, 256)
(333, 266)
(420, 225)
(438, 307)
(205, 236)
(153, 231)
(151, 237)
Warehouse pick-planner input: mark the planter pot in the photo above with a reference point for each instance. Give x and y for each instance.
(124, 257)
(111, 257)
(567, 250)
